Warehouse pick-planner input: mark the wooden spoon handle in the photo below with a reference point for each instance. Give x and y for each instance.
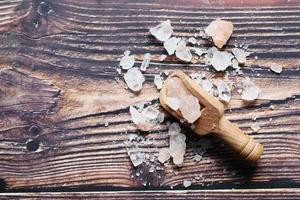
(243, 144)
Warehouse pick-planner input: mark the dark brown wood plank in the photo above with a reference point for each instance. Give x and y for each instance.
(75, 47)
(177, 194)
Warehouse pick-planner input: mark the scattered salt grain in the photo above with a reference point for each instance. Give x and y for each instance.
(276, 68)
(134, 79)
(171, 44)
(163, 155)
(158, 81)
(235, 64)
(221, 60)
(220, 31)
(162, 57)
(255, 127)
(127, 61)
(224, 91)
(272, 107)
(161, 117)
(119, 70)
(250, 90)
(136, 156)
(207, 85)
(162, 31)
(199, 51)
(253, 117)
(182, 52)
(240, 55)
(187, 183)
(174, 129)
(192, 40)
(177, 148)
(197, 158)
(145, 62)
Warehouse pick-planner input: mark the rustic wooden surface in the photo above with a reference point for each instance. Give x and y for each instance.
(59, 86)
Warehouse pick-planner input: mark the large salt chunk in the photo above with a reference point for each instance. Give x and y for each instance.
(171, 44)
(220, 31)
(177, 148)
(224, 91)
(190, 108)
(134, 79)
(127, 61)
(240, 55)
(163, 155)
(145, 62)
(182, 52)
(221, 60)
(250, 90)
(162, 31)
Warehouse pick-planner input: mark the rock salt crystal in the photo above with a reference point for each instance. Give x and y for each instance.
(158, 81)
(199, 51)
(177, 148)
(221, 60)
(127, 61)
(171, 44)
(174, 129)
(187, 183)
(145, 62)
(224, 91)
(182, 52)
(255, 127)
(134, 79)
(220, 31)
(190, 108)
(276, 68)
(197, 158)
(163, 155)
(136, 156)
(250, 90)
(162, 31)
(235, 64)
(162, 57)
(192, 40)
(240, 55)
(207, 85)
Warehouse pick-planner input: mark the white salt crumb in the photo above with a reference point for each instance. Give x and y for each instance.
(240, 55)
(158, 81)
(162, 57)
(187, 183)
(235, 64)
(272, 107)
(253, 117)
(161, 117)
(163, 155)
(119, 70)
(106, 124)
(276, 68)
(162, 31)
(197, 158)
(255, 127)
(192, 40)
(220, 31)
(221, 60)
(190, 108)
(134, 79)
(145, 62)
(182, 52)
(199, 51)
(174, 129)
(127, 61)
(136, 156)
(250, 90)
(224, 91)
(171, 44)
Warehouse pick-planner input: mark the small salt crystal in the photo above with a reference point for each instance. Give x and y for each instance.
(162, 31)
(136, 116)
(235, 64)
(174, 129)
(250, 90)
(221, 60)
(134, 79)
(197, 158)
(119, 70)
(192, 40)
(190, 108)
(182, 52)
(127, 61)
(220, 31)
(199, 51)
(253, 117)
(158, 81)
(162, 57)
(136, 156)
(177, 148)
(163, 155)
(255, 127)
(206, 85)
(187, 183)
(145, 62)
(144, 119)
(224, 91)
(171, 44)
(272, 107)
(161, 117)
(240, 55)
(276, 68)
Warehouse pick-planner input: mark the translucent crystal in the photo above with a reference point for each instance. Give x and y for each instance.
(174, 129)
(199, 51)
(145, 62)
(162, 31)
(207, 85)
(235, 64)
(134, 79)
(158, 81)
(162, 57)
(136, 116)
(190, 108)
(220, 31)
(171, 44)
(173, 102)
(136, 156)
(221, 60)
(197, 158)
(187, 183)
(240, 55)
(182, 52)
(127, 61)
(163, 155)
(177, 148)
(224, 91)
(276, 68)
(250, 90)
(255, 127)
(192, 40)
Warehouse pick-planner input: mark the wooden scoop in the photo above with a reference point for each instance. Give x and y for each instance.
(212, 119)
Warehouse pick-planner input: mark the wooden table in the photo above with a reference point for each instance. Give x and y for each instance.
(59, 85)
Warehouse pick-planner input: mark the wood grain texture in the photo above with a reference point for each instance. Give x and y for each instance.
(261, 194)
(59, 59)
